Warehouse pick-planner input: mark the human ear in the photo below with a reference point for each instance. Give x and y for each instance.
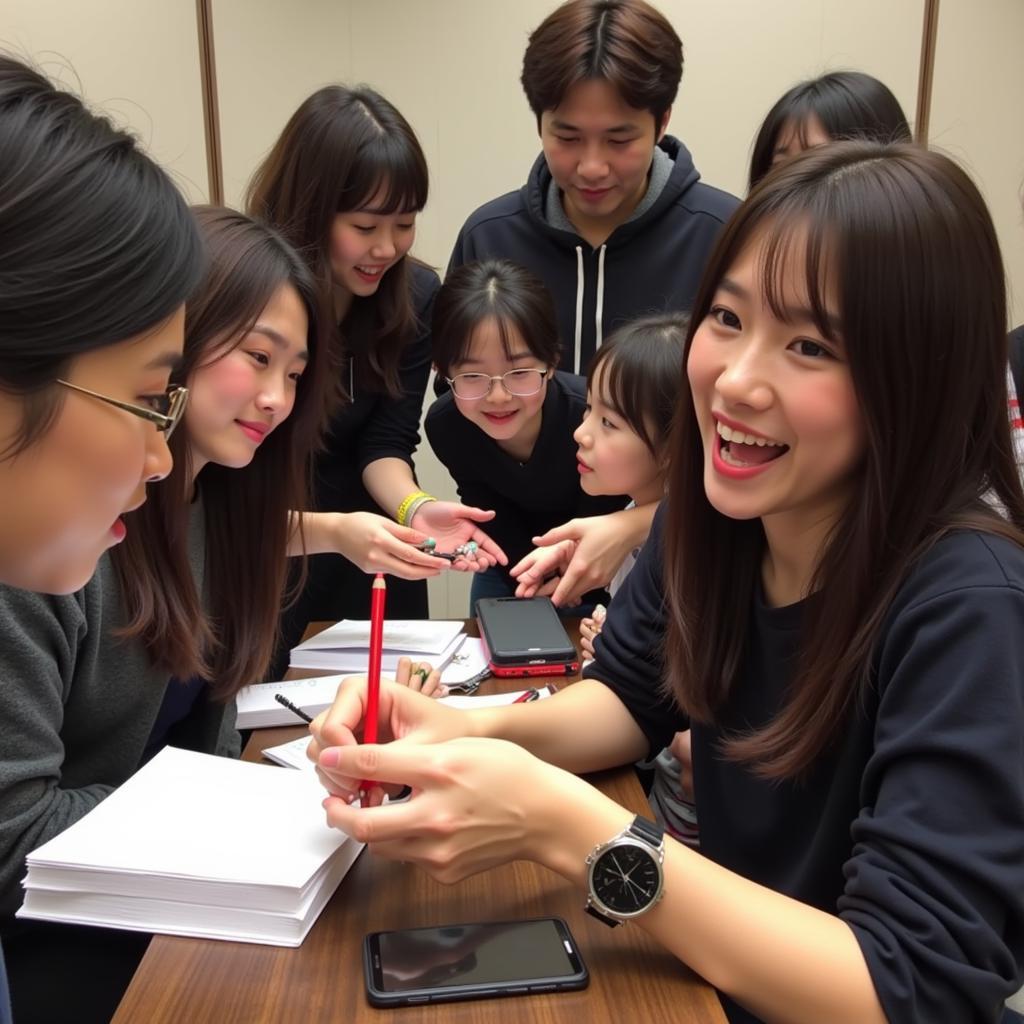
(660, 130)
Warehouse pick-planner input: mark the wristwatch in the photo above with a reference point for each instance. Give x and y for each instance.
(625, 877)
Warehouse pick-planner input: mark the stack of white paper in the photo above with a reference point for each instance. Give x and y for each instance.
(344, 647)
(196, 845)
(258, 708)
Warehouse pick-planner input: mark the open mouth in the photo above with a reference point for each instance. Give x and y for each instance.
(370, 273)
(744, 451)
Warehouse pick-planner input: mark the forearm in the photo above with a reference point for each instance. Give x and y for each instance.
(783, 960)
(319, 532)
(583, 728)
(389, 481)
(635, 523)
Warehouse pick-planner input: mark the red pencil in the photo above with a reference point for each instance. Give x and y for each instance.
(377, 595)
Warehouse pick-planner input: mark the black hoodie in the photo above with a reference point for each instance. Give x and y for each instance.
(648, 265)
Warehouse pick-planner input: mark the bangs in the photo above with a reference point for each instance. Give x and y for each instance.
(799, 117)
(511, 334)
(624, 385)
(795, 237)
(388, 176)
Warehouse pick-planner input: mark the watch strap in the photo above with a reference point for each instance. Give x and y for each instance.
(647, 831)
(612, 922)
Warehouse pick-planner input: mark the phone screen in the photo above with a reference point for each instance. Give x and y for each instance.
(473, 954)
(527, 629)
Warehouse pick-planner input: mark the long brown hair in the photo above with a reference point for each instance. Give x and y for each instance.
(336, 153)
(245, 510)
(907, 245)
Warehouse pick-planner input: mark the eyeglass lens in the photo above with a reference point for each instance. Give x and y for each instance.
(520, 383)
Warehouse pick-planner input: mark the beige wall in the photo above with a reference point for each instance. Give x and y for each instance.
(137, 59)
(270, 56)
(978, 114)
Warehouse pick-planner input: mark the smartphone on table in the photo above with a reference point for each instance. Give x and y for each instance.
(471, 961)
(523, 636)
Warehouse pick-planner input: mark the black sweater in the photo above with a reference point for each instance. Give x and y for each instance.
(911, 828)
(651, 265)
(531, 497)
(373, 425)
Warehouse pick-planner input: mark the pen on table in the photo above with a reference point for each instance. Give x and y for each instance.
(526, 696)
(293, 708)
(378, 593)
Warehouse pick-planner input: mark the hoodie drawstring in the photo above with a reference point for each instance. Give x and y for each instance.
(579, 307)
(599, 305)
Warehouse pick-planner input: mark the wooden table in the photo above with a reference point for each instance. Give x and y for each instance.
(631, 977)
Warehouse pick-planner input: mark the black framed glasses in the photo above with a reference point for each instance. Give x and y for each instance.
(471, 387)
(166, 418)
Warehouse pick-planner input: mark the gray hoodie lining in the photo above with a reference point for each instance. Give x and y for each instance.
(661, 171)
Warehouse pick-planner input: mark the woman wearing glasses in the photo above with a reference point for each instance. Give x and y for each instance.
(505, 430)
(192, 593)
(98, 253)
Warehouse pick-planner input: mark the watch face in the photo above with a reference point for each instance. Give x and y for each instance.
(625, 878)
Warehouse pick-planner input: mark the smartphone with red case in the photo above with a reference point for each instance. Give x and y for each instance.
(523, 636)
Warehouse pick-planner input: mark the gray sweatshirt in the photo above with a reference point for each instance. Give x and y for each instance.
(77, 705)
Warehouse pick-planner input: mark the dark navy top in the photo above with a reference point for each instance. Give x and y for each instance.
(911, 827)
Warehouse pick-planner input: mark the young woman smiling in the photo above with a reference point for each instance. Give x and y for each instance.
(837, 614)
(345, 183)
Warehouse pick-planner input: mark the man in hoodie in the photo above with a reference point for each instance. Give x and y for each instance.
(614, 218)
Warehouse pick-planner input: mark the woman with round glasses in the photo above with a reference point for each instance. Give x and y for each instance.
(504, 431)
(98, 253)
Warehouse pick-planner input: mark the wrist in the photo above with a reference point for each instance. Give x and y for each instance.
(411, 505)
(562, 842)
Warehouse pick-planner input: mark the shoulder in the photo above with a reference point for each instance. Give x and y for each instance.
(442, 417)
(570, 392)
(959, 615)
(424, 283)
(701, 200)
(961, 562)
(506, 207)
(48, 627)
(691, 197)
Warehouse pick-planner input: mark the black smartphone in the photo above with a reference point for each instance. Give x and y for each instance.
(471, 961)
(523, 636)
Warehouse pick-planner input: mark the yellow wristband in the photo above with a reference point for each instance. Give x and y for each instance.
(416, 498)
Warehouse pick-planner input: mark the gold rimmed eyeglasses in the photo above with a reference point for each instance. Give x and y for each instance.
(166, 418)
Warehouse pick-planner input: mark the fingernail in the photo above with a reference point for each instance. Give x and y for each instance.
(444, 690)
(329, 757)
